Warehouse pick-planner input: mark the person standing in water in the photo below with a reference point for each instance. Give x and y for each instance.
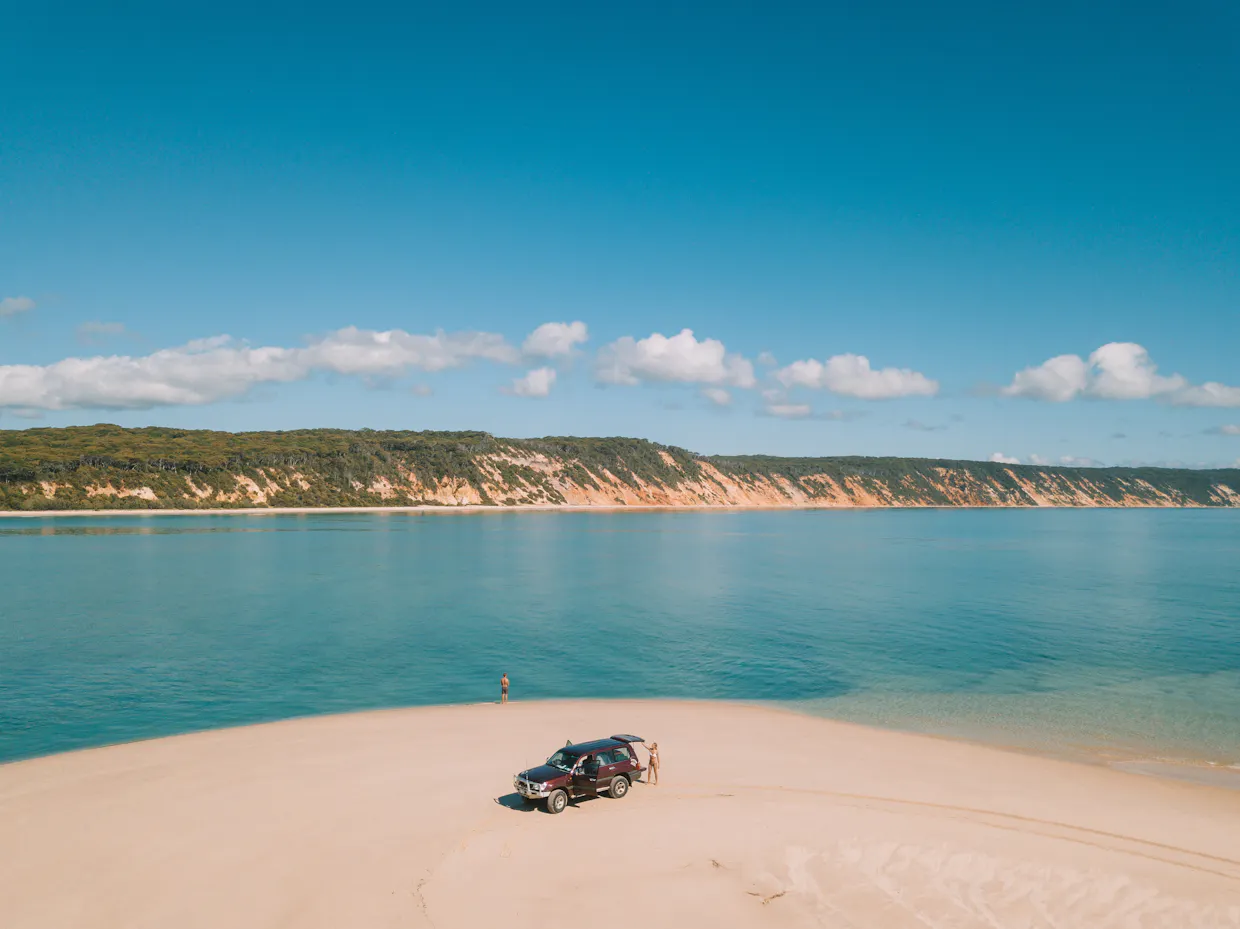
(503, 688)
(652, 772)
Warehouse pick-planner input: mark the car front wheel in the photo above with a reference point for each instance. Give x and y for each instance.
(557, 801)
(619, 787)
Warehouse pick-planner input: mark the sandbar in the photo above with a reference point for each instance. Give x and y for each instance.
(765, 817)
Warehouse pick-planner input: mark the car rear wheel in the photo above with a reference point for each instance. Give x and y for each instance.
(557, 801)
(619, 787)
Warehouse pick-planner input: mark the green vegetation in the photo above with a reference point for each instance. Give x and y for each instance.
(922, 476)
(107, 467)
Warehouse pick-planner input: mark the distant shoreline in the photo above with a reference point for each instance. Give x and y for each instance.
(546, 508)
(324, 470)
(462, 508)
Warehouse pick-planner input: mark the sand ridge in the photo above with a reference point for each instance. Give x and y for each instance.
(765, 818)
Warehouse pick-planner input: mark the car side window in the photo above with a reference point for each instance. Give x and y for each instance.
(604, 758)
(620, 755)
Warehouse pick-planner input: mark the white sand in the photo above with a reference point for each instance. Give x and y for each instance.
(765, 818)
(456, 508)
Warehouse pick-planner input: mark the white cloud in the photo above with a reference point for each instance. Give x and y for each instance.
(1066, 461)
(775, 402)
(1116, 371)
(11, 306)
(365, 351)
(1229, 429)
(789, 410)
(1123, 371)
(176, 376)
(217, 368)
(551, 340)
(681, 358)
(93, 332)
(1074, 461)
(536, 383)
(851, 376)
(717, 395)
(1057, 379)
(1211, 393)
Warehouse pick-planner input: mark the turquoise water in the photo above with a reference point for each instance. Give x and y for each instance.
(1104, 629)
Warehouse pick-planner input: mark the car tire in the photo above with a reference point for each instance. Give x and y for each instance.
(557, 801)
(619, 787)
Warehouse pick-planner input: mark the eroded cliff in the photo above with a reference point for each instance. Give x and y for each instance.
(106, 467)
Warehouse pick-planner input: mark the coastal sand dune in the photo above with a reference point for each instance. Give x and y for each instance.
(765, 818)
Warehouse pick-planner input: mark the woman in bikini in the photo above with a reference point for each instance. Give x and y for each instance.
(652, 773)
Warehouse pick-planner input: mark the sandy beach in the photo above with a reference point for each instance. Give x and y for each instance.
(462, 508)
(764, 818)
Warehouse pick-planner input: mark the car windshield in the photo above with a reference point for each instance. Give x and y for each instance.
(563, 760)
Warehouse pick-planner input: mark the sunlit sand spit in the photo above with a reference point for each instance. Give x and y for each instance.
(764, 818)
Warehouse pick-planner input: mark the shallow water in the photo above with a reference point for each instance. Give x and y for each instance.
(1067, 630)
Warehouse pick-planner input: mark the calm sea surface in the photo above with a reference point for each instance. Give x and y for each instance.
(1057, 630)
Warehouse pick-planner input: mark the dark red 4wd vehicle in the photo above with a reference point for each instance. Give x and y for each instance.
(605, 766)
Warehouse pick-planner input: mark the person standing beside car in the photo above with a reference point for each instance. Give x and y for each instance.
(652, 772)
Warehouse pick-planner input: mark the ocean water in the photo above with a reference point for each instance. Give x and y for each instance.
(1105, 631)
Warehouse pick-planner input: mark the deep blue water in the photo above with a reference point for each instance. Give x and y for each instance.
(1093, 627)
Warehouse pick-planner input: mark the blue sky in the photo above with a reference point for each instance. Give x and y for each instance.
(957, 193)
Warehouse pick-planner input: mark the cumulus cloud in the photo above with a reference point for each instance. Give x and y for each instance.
(682, 358)
(218, 368)
(94, 332)
(536, 383)
(365, 351)
(1056, 379)
(852, 376)
(552, 340)
(11, 306)
(192, 374)
(1229, 429)
(1001, 458)
(1116, 371)
(717, 395)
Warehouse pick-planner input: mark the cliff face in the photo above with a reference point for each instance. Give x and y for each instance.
(105, 467)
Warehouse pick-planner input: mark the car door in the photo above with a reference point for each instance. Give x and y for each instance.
(585, 777)
(606, 771)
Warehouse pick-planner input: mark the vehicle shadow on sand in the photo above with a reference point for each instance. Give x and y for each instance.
(514, 801)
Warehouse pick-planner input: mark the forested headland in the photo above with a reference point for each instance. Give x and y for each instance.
(109, 467)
